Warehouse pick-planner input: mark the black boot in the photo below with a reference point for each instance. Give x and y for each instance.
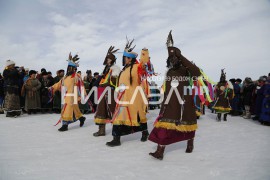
(17, 113)
(114, 142)
(159, 153)
(225, 117)
(219, 116)
(190, 146)
(101, 131)
(63, 128)
(145, 135)
(82, 119)
(29, 111)
(10, 114)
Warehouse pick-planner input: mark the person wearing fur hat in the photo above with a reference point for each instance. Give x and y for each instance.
(223, 94)
(11, 80)
(177, 120)
(106, 105)
(70, 111)
(32, 96)
(130, 112)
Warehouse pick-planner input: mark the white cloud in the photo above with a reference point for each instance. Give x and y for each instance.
(214, 34)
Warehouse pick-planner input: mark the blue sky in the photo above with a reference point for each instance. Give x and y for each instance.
(231, 34)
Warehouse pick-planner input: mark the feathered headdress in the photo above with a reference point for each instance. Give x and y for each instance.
(172, 51)
(128, 52)
(223, 75)
(169, 42)
(73, 61)
(110, 55)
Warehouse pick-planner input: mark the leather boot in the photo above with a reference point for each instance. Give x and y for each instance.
(159, 152)
(190, 146)
(101, 131)
(219, 116)
(114, 142)
(225, 117)
(247, 115)
(145, 135)
(82, 119)
(63, 128)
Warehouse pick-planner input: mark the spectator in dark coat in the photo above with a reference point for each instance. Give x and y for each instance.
(248, 90)
(11, 89)
(260, 95)
(46, 103)
(236, 100)
(265, 112)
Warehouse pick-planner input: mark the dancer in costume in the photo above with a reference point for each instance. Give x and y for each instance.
(177, 120)
(130, 117)
(223, 94)
(70, 111)
(106, 105)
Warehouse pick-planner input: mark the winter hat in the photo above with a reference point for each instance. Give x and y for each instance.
(9, 62)
(239, 80)
(248, 80)
(263, 78)
(232, 80)
(88, 72)
(44, 73)
(42, 70)
(32, 72)
(61, 70)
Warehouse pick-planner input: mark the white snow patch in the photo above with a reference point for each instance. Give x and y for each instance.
(32, 148)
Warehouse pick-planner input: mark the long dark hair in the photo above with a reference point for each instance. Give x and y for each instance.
(133, 61)
(71, 70)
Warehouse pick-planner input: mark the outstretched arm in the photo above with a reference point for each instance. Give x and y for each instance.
(192, 68)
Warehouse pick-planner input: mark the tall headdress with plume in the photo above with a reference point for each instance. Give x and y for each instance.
(110, 55)
(73, 61)
(128, 52)
(223, 75)
(172, 51)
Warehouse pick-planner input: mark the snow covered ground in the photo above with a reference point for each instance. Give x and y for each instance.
(32, 148)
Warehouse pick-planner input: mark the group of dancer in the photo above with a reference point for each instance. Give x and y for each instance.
(177, 120)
